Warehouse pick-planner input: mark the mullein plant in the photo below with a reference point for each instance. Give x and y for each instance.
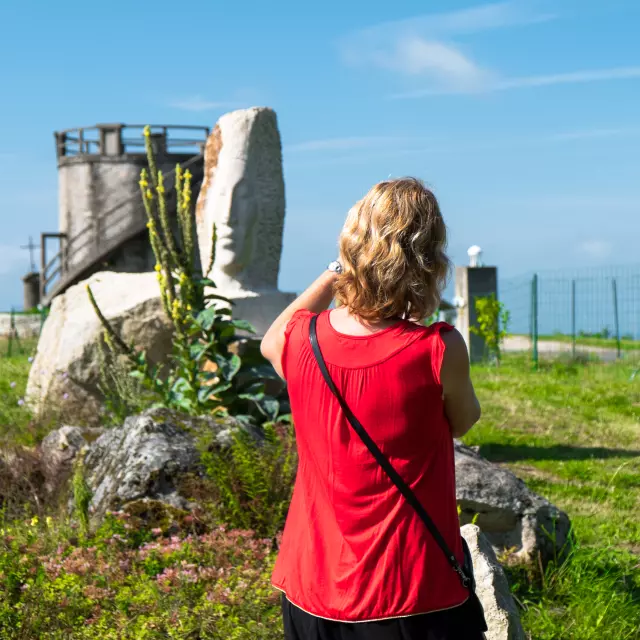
(205, 373)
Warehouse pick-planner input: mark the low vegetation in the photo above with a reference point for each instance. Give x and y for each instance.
(571, 431)
(16, 425)
(125, 582)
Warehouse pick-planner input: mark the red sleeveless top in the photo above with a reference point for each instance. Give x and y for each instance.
(352, 549)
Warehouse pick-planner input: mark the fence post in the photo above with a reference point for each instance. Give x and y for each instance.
(43, 264)
(13, 335)
(615, 316)
(573, 319)
(10, 342)
(534, 320)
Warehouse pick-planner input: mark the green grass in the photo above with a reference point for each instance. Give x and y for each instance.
(15, 419)
(607, 343)
(572, 432)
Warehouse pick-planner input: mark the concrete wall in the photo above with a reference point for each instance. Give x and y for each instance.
(91, 185)
(27, 326)
(472, 283)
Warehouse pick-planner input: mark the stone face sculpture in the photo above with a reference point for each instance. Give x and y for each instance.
(242, 195)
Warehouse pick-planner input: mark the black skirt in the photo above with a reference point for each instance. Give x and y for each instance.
(459, 623)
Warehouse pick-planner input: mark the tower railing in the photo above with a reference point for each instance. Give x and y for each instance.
(120, 139)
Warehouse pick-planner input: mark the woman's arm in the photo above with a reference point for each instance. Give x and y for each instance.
(460, 402)
(316, 298)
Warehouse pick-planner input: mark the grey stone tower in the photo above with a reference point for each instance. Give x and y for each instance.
(102, 223)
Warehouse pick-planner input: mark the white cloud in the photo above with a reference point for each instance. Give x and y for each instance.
(422, 46)
(197, 103)
(387, 147)
(594, 133)
(444, 63)
(575, 77)
(358, 45)
(596, 249)
(505, 84)
(348, 143)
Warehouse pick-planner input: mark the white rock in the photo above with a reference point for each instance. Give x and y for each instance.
(26, 326)
(243, 196)
(65, 371)
(492, 588)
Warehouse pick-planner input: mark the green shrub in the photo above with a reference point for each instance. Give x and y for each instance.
(252, 479)
(117, 585)
(492, 320)
(211, 370)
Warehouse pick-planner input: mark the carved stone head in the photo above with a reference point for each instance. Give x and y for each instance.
(243, 195)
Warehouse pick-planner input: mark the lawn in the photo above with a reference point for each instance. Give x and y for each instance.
(606, 343)
(15, 420)
(572, 432)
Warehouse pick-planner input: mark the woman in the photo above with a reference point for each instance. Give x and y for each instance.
(353, 550)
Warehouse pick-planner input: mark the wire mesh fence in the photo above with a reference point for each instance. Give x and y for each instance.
(593, 312)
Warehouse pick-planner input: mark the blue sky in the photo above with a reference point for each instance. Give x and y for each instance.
(524, 117)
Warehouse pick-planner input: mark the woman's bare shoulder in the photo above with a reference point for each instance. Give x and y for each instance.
(456, 355)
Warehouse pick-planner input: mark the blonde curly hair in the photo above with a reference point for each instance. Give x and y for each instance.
(392, 249)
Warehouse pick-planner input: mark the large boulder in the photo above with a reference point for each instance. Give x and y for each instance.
(66, 370)
(492, 588)
(148, 459)
(521, 525)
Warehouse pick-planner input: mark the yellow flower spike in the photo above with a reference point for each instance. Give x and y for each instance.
(157, 267)
(149, 194)
(187, 175)
(34, 521)
(188, 307)
(147, 131)
(49, 521)
(160, 189)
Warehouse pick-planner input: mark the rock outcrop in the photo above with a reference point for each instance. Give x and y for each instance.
(515, 519)
(65, 371)
(147, 459)
(492, 588)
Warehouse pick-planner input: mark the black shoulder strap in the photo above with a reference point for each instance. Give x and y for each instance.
(382, 460)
